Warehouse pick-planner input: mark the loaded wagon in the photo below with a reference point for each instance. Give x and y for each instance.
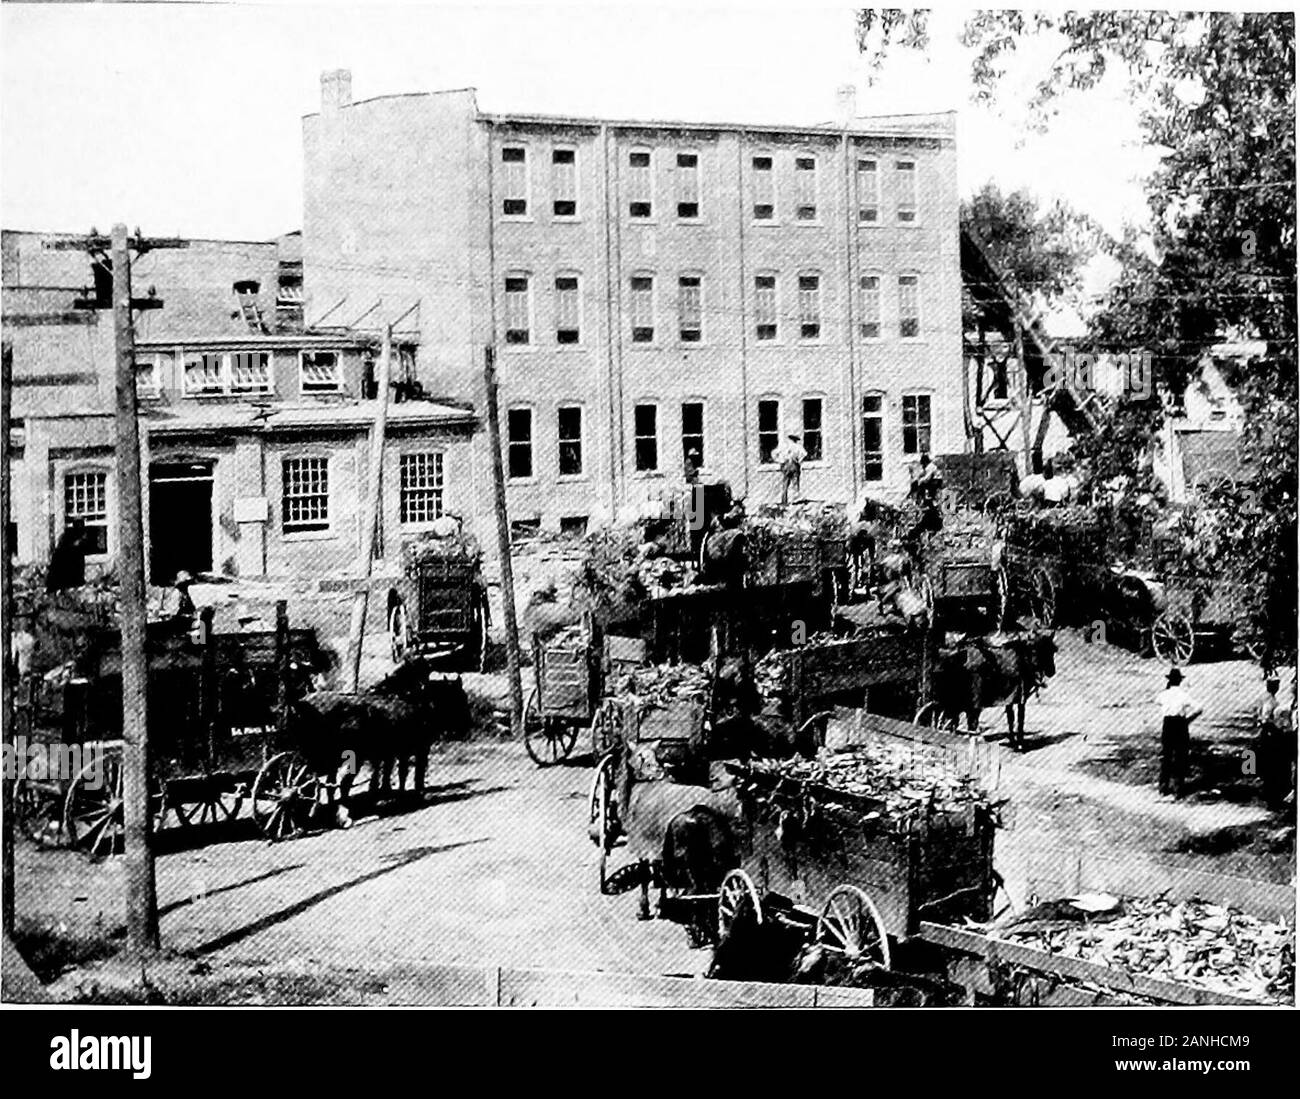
(438, 608)
(963, 580)
(1056, 558)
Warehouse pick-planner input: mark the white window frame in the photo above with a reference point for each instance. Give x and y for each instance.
(879, 305)
(226, 375)
(438, 488)
(577, 293)
(820, 301)
(820, 398)
(874, 175)
(758, 431)
(704, 427)
(920, 313)
(657, 470)
(755, 174)
(221, 388)
(106, 474)
(152, 363)
(576, 196)
(337, 387)
(633, 311)
(635, 178)
(509, 444)
(800, 183)
(914, 394)
(506, 342)
(775, 291)
(877, 414)
(683, 298)
(680, 191)
(902, 207)
(527, 195)
(581, 475)
(300, 531)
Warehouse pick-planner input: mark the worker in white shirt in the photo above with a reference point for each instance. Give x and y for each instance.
(1177, 712)
(1274, 728)
(790, 456)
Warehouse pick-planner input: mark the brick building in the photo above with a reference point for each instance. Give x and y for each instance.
(255, 430)
(655, 287)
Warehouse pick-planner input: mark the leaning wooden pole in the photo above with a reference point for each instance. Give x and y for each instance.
(503, 545)
(370, 519)
(141, 888)
(6, 653)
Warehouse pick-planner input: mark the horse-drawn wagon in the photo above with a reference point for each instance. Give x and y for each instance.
(438, 608)
(1057, 558)
(963, 580)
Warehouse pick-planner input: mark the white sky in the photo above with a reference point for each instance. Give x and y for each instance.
(185, 118)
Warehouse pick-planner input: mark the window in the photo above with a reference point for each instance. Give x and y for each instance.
(421, 488)
(575, 526)
(909, 307)
(306, 498)
(640, 184)
(645, 427)
(250, 372)
(905, 170)
(868, 192)
(204, 374)
(514, 181)
(764, 189)
(519, 443)
(564, 183)
(570, 440)
(568, 309)
(85, 497)
(643, 308)
(688, 185)
(693, 430)
(916, 423)
(805, 178)
(810, 307)
(873, 437)
(518, 310)
(869, 306)
(320, 372)
(148, 376)
(217, 374)
(765, 307)
(769, 430)
(689, 309)
(812, 428)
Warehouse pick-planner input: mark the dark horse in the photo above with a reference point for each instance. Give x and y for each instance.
(982, 672)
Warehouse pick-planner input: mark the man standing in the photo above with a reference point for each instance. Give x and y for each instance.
(926, 483)
(1274, 733)
(1177, 712)
(790, 456)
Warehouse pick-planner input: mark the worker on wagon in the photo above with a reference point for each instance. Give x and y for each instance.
(1273, 755)
(926, 483)
(691, 470)
(1177, 712)
(790, 456)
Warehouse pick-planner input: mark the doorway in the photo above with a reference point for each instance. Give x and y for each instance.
(180, 519)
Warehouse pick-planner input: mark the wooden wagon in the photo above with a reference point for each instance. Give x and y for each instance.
(438, 608)
(963, 579)
(1056, 560)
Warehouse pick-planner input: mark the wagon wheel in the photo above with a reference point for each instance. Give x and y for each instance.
(602, 815)
(1001, 596)
(38, 808)
(737, 900)
(1173, 637)
(1210, 483)
(284, 796)
(1042, 596)
(547, 740)
(933, 717)
(604, 729)
(480, 625)
(996, 504)
(399, 632)
(851, 925)
(211, 808)
(93, 811)
(836, 589)
(925, 589)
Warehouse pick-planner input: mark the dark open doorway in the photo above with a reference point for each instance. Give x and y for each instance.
(180, 519)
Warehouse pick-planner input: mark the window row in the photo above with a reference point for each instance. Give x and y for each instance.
(800, 318)
(770, 428)
(235, 373)
(685, 189)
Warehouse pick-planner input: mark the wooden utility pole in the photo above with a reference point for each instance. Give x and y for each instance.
(370, 520)
(1026, 397)
(6, 653)
(503, 545)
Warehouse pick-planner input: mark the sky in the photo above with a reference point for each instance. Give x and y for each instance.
(186, 118)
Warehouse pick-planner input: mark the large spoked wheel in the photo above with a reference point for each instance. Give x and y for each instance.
(836, 590)
(546, 740)
(399, 632)
(602, 815)
(604, 729)
(1001, 597)
(211, 806)
(738, 901)
(38, 808)
(1043, 596)
(93, 815)
(850, 925)
(925, 589)
(932, 716)
(284, 796)
(1172, 638)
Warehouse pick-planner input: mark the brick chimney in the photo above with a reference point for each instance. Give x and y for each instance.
(335, 90)
(846, 102)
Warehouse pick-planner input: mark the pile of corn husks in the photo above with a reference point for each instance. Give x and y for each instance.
(660, 684)
(1210, 946)
(770, 672)
(816, 517)
(452, 545)
(899, 775)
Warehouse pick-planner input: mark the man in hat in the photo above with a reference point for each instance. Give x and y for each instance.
(1177, 712)
(1274, 741)
(790, 456)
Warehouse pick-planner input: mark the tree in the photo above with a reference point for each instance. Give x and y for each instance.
(1219, 260)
